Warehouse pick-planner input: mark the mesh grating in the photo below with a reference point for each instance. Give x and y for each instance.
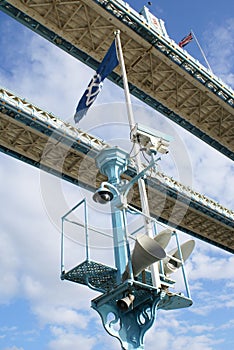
(99, 276)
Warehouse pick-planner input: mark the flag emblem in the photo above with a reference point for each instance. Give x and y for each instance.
(93, 89)
(109, 62)
(186, 40)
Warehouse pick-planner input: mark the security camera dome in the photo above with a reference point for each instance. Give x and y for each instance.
(103, 196)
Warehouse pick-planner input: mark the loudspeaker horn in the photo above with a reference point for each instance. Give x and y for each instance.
(171, 265)
(124, 303)
(146, 252)
(163, 238)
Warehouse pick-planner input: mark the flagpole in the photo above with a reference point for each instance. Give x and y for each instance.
(136, 150)
(202, 52)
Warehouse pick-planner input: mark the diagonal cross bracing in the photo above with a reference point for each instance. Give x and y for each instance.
(87, 36)
(42, 140)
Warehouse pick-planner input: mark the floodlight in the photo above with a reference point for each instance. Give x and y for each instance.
(152, 140)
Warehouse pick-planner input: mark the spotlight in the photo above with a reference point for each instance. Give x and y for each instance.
(103, 195)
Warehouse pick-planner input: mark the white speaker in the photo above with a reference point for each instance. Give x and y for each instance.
(146, 252)
(170, 265)
(124, 303)
(163, 238)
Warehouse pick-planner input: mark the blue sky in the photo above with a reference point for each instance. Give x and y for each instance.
(38, 311)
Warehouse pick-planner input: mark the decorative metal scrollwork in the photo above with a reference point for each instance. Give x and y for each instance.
(128, 326)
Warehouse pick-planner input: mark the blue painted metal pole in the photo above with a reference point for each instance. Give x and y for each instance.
(113, 162)
(132, 324)
(120, 244)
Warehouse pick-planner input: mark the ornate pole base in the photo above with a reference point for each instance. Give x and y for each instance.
(128, 312)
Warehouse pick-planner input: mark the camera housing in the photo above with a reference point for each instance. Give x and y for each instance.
(103, 195)
(152, 140)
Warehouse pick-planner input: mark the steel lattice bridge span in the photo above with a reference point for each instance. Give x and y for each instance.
(40, 139)
(165, 77)
(160, 73)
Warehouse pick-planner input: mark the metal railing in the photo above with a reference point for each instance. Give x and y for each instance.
(131, 236)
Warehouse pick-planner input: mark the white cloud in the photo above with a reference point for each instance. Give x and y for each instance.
(201, 328)
(193, 326)
(10, 266)
(56, 75)
(212, 172)
(65, 340)
(30, 253)
(228, 325)
(61, 315)
(212, 268)
(169, 332)
(208, 303)
(201, 342)
(220, 45)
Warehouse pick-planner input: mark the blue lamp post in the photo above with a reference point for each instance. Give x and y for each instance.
(129, 309)
(113, 162)
(128, 302)
(119, 317)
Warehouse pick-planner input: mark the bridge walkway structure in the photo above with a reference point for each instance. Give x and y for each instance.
(160, 73)
(46, 142)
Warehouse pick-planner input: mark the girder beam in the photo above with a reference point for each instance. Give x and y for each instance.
(87, 36)
(40, 139)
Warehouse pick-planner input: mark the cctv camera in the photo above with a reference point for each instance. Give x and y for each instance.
(103, 196)
(152, 140)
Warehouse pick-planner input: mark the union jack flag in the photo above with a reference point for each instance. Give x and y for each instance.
(186, 40)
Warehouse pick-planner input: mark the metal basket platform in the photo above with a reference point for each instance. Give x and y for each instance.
(95, 275)
(144, 295)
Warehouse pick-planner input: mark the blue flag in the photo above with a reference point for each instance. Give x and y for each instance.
(109, 62)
